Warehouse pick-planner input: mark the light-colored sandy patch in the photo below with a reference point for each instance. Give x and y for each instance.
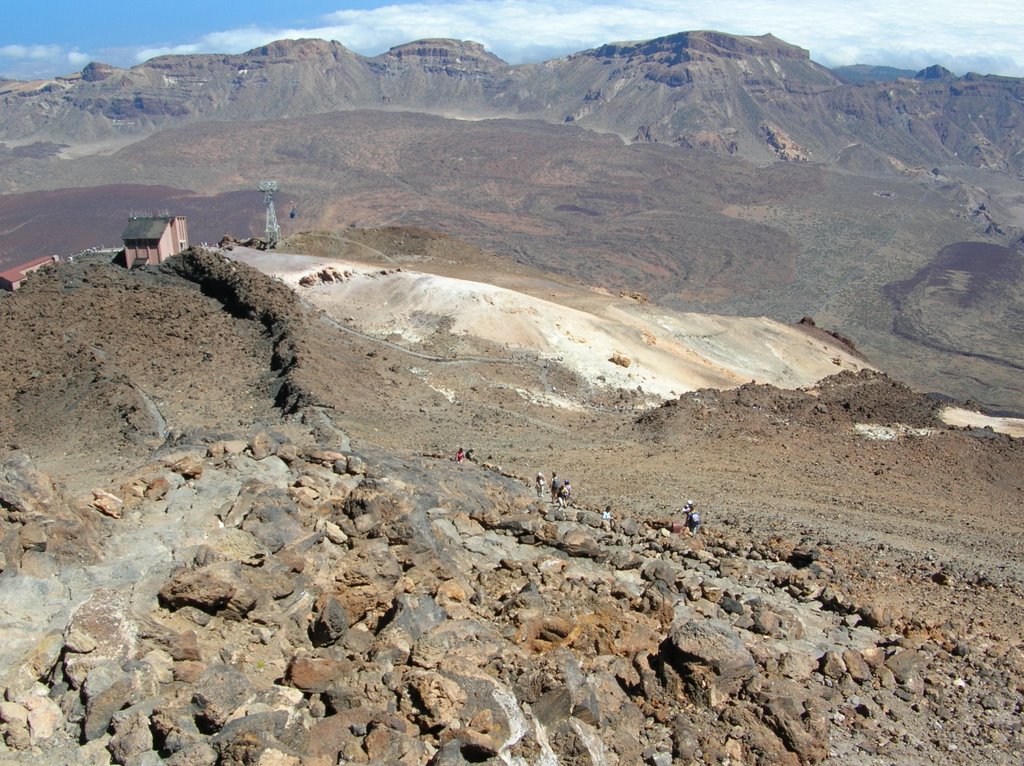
(876, 432)
(546, 399)
(758, 213)
(668, 353)
(957, 416)
(447, 393)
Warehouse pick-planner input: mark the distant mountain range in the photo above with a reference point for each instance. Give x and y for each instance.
(755, 97)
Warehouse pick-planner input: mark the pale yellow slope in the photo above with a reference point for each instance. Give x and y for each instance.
(668, 353)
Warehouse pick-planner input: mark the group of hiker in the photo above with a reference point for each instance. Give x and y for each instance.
(560, 489)
(560, 492)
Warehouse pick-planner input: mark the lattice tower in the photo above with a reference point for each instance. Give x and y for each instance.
(273, 230)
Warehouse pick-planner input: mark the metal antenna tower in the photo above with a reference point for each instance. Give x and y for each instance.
(273, 230)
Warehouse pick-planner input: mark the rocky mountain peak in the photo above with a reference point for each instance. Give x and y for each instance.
(935, 72)
(433, 52)
(95, 71)
(701, 45)
(305, 49)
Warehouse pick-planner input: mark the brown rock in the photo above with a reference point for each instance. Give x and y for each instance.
(619, 359)
(44, 718)
(831, 665)
(432, 699)
(262, 445)
(188, 467)
(214, 588)
(132, 736)
(188, 671)
(218, 693)
(102, 627)
(107, 504)
(157, 488)
(314, 674)
(288, 452)
(23, 488)
(15, 720)
(33, 537)
(856, 666)
(875, 616)
(710, 658)
(907, 666)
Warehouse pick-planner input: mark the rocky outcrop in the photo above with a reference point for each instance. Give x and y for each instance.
(308, 603)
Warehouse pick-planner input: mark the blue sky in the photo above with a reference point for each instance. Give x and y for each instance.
(49, 38)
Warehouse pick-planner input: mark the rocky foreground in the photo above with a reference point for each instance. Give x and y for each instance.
(226, 539)
(254, 600)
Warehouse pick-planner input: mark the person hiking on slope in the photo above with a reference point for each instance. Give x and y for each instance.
(541, 484)
(692, 517)
(564, 493)
(556, 487)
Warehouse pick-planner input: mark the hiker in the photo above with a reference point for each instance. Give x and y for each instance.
(564, 493)
(692, 517)
(469, 455)
(556, 487)
(541, 483)
(460, 456)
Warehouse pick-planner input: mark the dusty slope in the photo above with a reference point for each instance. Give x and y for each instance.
(834, 455)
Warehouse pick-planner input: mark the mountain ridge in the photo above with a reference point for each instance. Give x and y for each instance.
(761, 97)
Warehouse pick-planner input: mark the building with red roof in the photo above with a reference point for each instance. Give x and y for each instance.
(12, 278)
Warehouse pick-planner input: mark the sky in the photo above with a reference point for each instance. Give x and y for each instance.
(50, 38)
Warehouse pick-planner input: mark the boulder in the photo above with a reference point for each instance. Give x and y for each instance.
(108, 504)
(24, 489)
(216, 588)
(907, 666)
(15, 725)
(132, 736)
(101, 631)
(710, 657)
(330, 622)
(44, 717)
(831, 665)
(315, 674)
(856, 666)
(101, 704)
(218, 694)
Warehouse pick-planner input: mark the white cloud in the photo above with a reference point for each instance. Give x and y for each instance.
(31, 62)
(30, 52)
(982, 36)
(78, 59)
